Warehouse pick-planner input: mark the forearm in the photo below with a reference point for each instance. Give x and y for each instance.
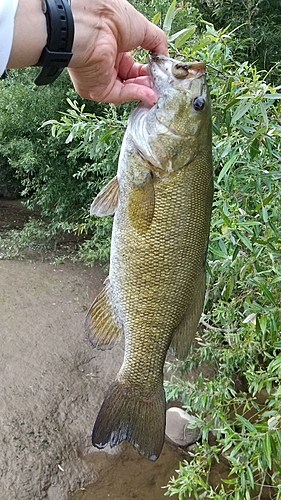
(30, 34)
(30, 30)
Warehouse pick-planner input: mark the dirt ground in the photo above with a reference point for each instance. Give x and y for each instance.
(51, 386)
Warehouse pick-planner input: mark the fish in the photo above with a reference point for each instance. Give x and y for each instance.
(161, 199)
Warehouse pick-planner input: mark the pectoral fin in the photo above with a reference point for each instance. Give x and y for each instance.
(185, 332)
(142, 201)
(102, 326)
(106, 201)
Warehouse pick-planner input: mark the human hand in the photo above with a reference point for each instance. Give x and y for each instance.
(102, 68)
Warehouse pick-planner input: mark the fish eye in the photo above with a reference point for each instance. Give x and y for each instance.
(198, 103)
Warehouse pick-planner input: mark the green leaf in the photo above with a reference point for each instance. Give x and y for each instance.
(241, 111)
(226, 150)
(277, 345)
(263, 323)
(264, 214)
(250, 476)
(245, 422)
(200, 44)
(173, 37)
(184, 36)
(236, 448)
(156, 18)
(267, 449)
(266, 292)
(217, 252)
(275, 365)
(245, 240)
(265, 201)
(272, 96)
(264, 115)
(226, 167)
(229, 288)
(167, 24)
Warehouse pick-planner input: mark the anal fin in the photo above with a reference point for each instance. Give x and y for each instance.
(186, 331)
(102, 326)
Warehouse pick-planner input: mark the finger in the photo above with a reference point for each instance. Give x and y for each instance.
(129, 68)
(155, 39)
(139, 80)
(125, 92)
(141, 33)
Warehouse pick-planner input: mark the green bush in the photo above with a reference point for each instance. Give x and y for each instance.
(256, 29)
(96, 139)
(43, 167)
(55, 175)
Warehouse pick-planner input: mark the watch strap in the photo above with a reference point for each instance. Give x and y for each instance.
(57, 53)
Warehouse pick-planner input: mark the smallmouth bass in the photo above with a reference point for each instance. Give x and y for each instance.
(161, 199)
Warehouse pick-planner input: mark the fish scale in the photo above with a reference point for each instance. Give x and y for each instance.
(161, 199)
(168, 266)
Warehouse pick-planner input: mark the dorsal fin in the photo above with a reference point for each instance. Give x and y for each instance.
(106, 201)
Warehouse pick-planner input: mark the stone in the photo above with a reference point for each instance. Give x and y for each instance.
(177, 430)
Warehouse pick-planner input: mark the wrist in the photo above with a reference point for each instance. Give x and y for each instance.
(58, 51)
(30, 34)
(85, 31)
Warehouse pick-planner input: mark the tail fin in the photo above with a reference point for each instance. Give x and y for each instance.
(131, 413)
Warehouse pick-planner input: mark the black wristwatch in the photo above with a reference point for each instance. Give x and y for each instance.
(60, 31)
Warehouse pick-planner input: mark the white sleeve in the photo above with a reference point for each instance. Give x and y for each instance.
(7, 14)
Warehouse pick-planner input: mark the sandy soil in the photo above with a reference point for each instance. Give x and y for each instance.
(51, 386)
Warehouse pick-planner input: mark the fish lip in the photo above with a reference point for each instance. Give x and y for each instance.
(155, 56)
(194, 69)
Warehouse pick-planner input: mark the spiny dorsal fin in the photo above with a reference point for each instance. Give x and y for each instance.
(185, 332)
(102, 325)
(142, 201)
(106, 201)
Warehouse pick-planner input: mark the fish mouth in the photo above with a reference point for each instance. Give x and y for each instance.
(180, 70)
